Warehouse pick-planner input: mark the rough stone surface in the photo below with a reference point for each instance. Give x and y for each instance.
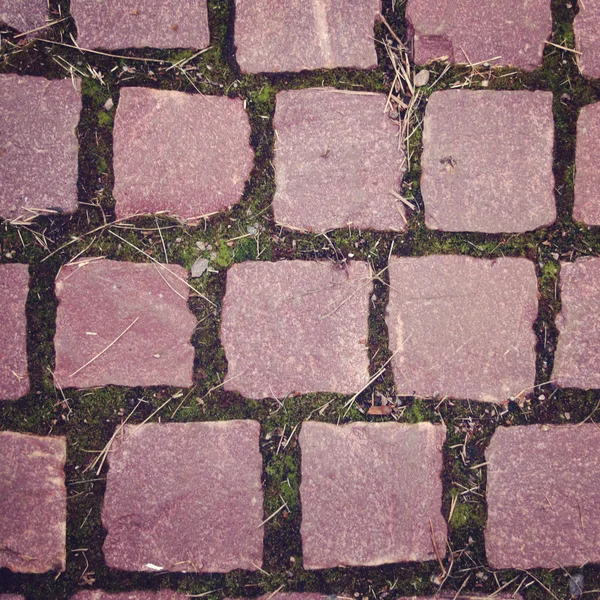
(102, 595)
(336, 161)
(185, 497)
(24, 15)
(14, 287)
(33, 503)
(587, 176)
(487, 161)
(293, 35)
(294, 596)
(100, 300)
(113, 24)
(208, 135)
(450, 595)
(385, 481)
(296, 327)
(577, 359)
(11, 597)
(38, 145)
(471, 31)
(543, 496)
(462, 327)
(587, 37)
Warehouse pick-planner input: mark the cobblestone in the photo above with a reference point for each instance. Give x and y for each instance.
(577, 360)
(185, 497)
(543, 496)
(14, 287)
(123, 323)
(487, 161)
(33, 503)
(295, 327)
(488, 353)
(209, 135)
(587, 164)
(336, 162)
(376, 465)
(39, 148)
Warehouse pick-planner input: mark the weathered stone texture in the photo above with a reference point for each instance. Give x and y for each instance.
(543, 496)
(185, 497)
(487, 161)
(101, 595)
(293, 35)
(14, 287)
(295, 327)
(471, 31)
(114, 24)
(462, 327)
(587, 175)
(587, 37)
(336, 161)
(139, 308)
(33, 503)
(38, 145)
(577, 360)
(185, 154)
(24, 15)
(384, 480)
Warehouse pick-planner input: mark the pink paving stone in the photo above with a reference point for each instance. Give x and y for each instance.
(543, 496)
(38, 145)
(385, 481)
(577, 360)
(14, 287)
(139, 308)
(336, 161)
(451, 595)
(587, 177)
(294, 35)
(463, 31)
(182, 153)
(116, 24)
(102, 595)
(462, 327)
(296, 327)
(587, 37)
(487, 161)
(33, 502)
(11, 597)
(24, 15)
(185, 497)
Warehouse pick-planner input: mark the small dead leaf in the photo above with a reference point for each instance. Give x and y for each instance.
(380, 410)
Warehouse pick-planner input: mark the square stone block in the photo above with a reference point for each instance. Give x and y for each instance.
(294, 35)
(487, 161)
(24, 15)
(114, 24)
(296, 327)
(33, 502)
(543, 496)
(391, 471)
(587, 37)
(472, 31)
(186, 154)
(462, 327)
(38, 145)
(123, 323)
(577, 359)
(185, 497)
(102, 595)
(14, 288)
(336, 161)
(587, 175)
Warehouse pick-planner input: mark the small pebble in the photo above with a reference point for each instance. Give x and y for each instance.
(422, 78)
(199, 267)
(109, 104)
